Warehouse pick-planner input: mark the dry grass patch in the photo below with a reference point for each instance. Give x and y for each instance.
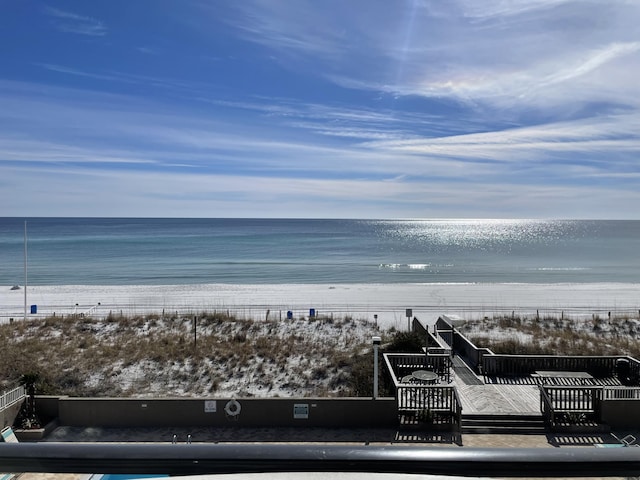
(556, 335)
(161, 355)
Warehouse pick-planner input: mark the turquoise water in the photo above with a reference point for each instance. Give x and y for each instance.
(112, 251)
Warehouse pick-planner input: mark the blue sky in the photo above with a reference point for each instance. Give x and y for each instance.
(333, 108)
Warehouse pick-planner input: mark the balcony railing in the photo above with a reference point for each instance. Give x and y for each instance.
(203, 458)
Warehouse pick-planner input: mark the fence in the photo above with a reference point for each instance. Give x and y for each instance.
(440, 405)
(445, 330)
(484, 361)
(559, 403)
(524, 365)
(621, 393)
(461, 345)
(11, 397)
(403, 364)
(432, 343)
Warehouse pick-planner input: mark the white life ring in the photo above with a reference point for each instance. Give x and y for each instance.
(233, 408)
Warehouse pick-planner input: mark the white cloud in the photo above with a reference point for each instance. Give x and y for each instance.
(81, 127)
(70, 22)
(542, 54)
(134, 193)
(611, 143)
(298, 27)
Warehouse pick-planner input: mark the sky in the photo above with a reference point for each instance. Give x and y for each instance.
(320, 109)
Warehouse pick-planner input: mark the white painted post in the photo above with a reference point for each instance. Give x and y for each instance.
(376, 345)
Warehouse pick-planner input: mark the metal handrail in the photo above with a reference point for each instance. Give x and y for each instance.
(11, 397)
(185, 459)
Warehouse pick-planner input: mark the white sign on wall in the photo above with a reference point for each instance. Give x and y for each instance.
(210, 406)
(301, 410)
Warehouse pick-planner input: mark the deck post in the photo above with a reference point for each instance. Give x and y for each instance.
(376, 345)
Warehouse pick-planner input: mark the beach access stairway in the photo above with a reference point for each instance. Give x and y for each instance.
(466, 404)
(505, 423)
(462, 401)
(478, 390)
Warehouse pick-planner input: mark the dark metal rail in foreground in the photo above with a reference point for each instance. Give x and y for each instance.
(186, 459)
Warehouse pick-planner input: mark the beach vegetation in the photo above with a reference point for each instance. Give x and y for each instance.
(163, 355)
(556, 335)
(405, 342)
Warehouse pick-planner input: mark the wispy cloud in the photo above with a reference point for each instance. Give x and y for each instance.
(70, 22)
(455, 108)
(181, 194)
(157, 140)
(291, 27)
(148, 50)
(504, 54)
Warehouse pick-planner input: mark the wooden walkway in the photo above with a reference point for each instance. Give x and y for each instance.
(491, 398)
(502, 398)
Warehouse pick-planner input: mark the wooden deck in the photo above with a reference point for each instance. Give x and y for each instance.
(491, 398)
(504, 395)
(498, 398)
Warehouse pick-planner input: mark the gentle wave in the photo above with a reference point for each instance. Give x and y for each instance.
(413, 266)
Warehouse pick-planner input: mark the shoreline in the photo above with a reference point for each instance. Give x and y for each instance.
(389, 301)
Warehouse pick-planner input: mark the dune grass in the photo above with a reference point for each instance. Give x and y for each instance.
(551, 335)
(156, 355)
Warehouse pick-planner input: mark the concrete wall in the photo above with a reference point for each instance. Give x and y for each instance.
(621, 413)
(47, 407)
(273, 412)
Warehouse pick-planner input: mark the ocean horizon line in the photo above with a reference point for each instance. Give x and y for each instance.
(383, 219)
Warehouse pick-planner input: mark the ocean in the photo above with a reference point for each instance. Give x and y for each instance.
(150, 251)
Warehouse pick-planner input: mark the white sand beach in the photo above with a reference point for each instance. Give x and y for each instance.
(388, 301)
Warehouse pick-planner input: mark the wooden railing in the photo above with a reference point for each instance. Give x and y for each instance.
(458, 408)
(403, 364)
(562, 402)
(546, 407)
(634, 365)
(440, 402)
(524, 365)
(621, 393)
(432, 339)
(11, 397)
(445, 331)
(461, 345)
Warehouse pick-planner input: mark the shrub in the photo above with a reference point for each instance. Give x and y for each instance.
(405, 342)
